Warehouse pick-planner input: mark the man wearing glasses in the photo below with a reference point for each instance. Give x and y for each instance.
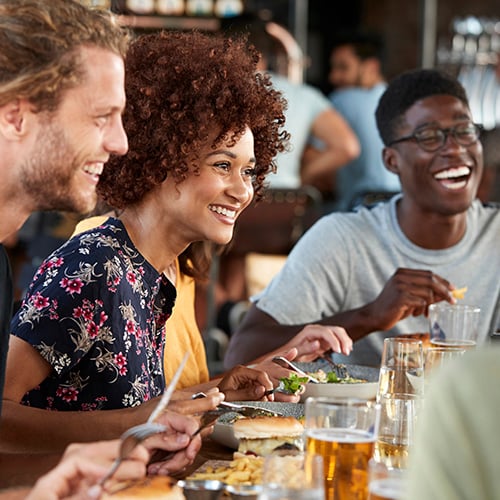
(375, 272)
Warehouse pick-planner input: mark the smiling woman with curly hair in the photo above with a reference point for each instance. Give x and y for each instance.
(181, 88)
(203, 128)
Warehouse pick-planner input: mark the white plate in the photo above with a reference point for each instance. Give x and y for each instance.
(223, 430)
(363, 390)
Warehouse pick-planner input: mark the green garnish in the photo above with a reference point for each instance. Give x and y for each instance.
(293, 383)
(331, 378)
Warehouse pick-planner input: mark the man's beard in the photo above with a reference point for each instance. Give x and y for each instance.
(48, 176)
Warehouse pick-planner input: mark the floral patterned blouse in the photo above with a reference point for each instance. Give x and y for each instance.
(96, 311)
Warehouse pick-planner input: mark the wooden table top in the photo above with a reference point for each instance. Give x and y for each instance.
(210, 450)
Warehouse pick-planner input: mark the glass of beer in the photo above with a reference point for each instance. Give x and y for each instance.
(402, 367)
(343, 431)
(398, 414)
(385, 483)
(454, 325)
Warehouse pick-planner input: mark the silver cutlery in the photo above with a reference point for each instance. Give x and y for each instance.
(137, 434)
(284, 363)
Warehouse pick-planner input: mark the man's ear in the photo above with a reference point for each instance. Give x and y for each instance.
(13, 119)
(390, 158)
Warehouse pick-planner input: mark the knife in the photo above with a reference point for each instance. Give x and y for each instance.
(165, 398)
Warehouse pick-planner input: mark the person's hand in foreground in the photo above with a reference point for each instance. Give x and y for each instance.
(82, 467)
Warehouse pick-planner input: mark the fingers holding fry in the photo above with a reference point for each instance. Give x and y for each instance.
(459, 293)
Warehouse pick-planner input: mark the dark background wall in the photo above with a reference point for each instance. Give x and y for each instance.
(400, 22)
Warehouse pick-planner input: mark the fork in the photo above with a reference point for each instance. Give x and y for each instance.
(137, 434)
(284, 363)
(129, 440)
(339, 368)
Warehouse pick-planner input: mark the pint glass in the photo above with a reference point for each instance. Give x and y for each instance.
(343, 432)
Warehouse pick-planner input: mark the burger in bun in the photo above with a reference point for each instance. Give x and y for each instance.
(263, 435)
(157, 487)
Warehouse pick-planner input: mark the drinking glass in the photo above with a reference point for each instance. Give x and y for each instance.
(454, 325)
(343, 432)
(425, 337)
(398, 415)
(436, 357)
(402, 367)
(292, 477)
(386, 483)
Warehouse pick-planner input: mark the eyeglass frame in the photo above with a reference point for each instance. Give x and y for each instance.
(445, 131)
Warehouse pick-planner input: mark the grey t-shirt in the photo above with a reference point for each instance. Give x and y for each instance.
(344, 261)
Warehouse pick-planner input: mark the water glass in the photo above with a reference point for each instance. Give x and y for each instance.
(454, 325)
(292, 477)
(343, 431)
(398, 415)
(402, 367)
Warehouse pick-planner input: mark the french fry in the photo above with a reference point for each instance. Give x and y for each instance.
(244, 470)
(459, 293)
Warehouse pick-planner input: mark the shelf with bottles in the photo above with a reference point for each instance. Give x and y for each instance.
(169, 22)
(179, 8)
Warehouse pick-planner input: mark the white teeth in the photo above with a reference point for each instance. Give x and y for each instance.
(223, 211)
(456, 185)
(93, 169)
(452, 173)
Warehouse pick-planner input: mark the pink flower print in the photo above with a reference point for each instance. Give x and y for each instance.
(130, 327)
(121, 363)
(39, 301)
(103, 318)
(87, 314)
(131, 278)
(92, 330)
(68, 394)
(77, 312)
(71, 286)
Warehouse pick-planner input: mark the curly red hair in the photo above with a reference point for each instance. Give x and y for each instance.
(182, 87)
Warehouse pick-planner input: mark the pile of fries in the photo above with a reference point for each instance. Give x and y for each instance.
(241, 471)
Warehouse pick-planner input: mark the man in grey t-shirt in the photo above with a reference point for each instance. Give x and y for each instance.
(375, 272)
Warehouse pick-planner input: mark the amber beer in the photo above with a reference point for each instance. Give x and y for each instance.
(454, 343)
(345, 453)
(391, 453)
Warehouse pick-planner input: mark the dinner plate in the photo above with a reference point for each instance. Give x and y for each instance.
(223, 430)
(363, 390)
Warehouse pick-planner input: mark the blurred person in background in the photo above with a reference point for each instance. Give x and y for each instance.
(309, 116)
(356, 75)
(321, 142)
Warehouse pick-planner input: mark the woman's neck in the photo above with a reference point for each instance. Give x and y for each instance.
(150, 235)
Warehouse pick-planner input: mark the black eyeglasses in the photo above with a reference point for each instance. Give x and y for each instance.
(433, 138)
